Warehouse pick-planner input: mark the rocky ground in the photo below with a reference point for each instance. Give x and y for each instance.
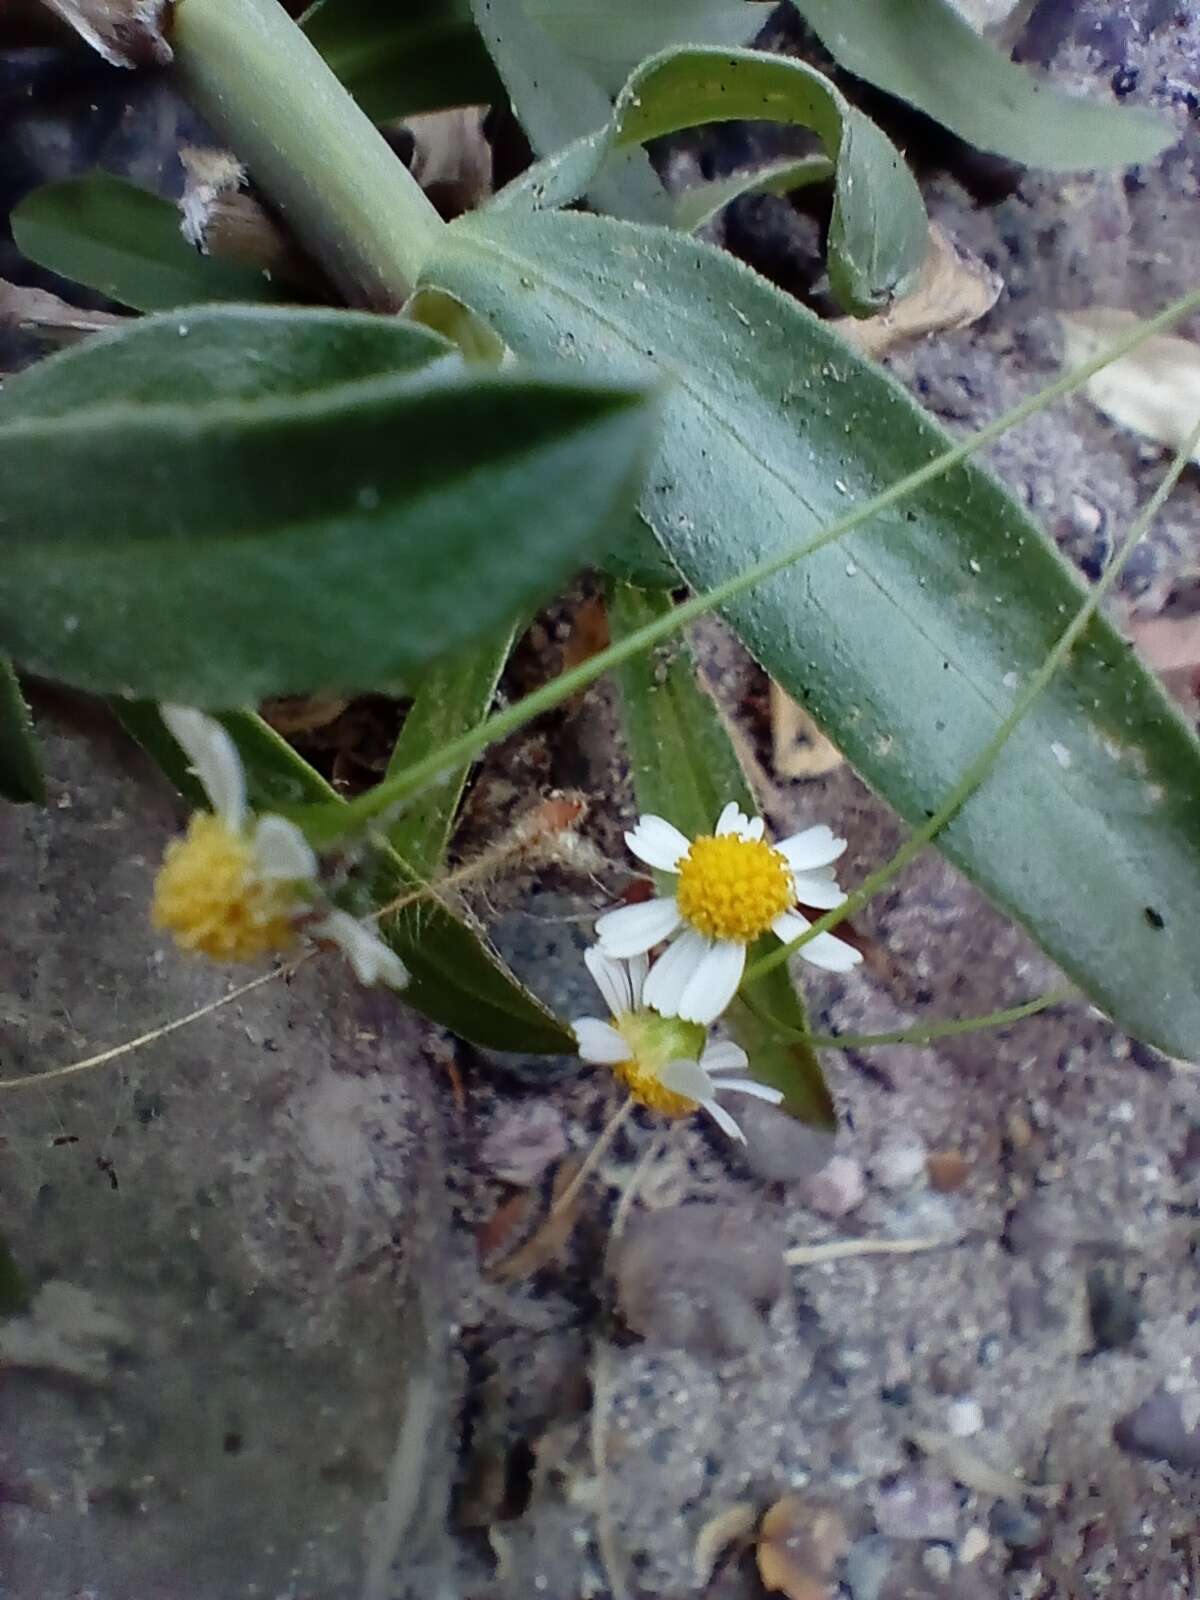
(279, 1343)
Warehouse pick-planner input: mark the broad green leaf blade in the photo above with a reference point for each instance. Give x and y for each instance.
(698, 205)
(610, 37)
(21, 776)
(878, 234)
(925, 52)
(125, 242)
(329, 531)
(686, 769)
(906, 638)
(458, 980)
(452, 696)
(558, 101)
(399, 60)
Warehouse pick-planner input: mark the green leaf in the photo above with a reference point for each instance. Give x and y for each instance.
(558, 101)
(125, 242)
(314, 525)
(905, 638)
(610, 37)
(686, 769)
(398, 60)
(925, 52)
(878, 234)
(458, 980)
(698, 205)
(21, 777)
(453, 695)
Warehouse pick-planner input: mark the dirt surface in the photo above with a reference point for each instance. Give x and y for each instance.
(246, 1273)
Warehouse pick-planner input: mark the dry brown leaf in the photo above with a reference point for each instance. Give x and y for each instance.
(452, 161)
(798, 1544)
(39, 311)
(1154, 390)
(295, 714)
(731, 1526)
(549, 1239)
(127, 33)
(221, 219)
(798, 747)
(953, 290)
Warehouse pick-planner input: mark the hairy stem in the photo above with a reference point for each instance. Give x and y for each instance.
(319, 160)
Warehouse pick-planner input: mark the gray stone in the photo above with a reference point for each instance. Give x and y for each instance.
(232, 1380)
(1156, 1430)
(778, 1148)
(919, 1505)
(868, 1562)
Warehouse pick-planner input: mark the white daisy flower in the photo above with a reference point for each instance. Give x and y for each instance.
(237, 887)
(665, 1063)
(733, 886)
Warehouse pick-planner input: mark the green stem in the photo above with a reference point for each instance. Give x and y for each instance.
(984, 761)
(319, 159)
(936, 1030)
(396, 789)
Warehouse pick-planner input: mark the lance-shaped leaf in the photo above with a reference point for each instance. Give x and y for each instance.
(686, 769)
(125, 242)
(925, 52)
(458, 980)
(908, 638)
(878, 231)
(21, 776)
(327, 502)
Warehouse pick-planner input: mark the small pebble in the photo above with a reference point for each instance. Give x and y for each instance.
(918, 1506)
(964, 1418)
(1015, 1525)
(975, 1543)
(778, 1148)
(899, 1164)
(938, 1562)
(838, 1188)
(948, 1170)
(1156, 1430)
(866, 1569)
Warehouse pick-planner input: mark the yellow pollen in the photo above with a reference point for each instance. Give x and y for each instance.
(653, 1041)
(733, 888)
(209, 898)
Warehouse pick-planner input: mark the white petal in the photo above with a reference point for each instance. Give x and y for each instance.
(834, 954)
(814, 889)
(827, 951)
(632, 930)
(372, 960)
(790, 926)
(756, 1091)
(732, 820)
(658, 843)
(599, 1042)
(754, 829)
(815, 847)
(611, 978)
(723, 1120)
(281, 851)
(722, 1055)
(671, 973)
(714, 983)
(213, 757)
(687, 1078)
(637, 967)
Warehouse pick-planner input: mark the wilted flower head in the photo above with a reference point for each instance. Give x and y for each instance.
(664, 1062)
(733, 887)
(237, 887)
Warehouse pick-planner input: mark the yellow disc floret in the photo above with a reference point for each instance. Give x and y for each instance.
(209, 896)
(653, 1041)
(733, 888)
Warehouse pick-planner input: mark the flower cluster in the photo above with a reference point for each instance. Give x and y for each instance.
(237, 887)
(732, 887)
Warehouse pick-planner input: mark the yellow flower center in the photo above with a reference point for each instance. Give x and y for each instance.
(209, 897)
(653, 1041)
(733, 888)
